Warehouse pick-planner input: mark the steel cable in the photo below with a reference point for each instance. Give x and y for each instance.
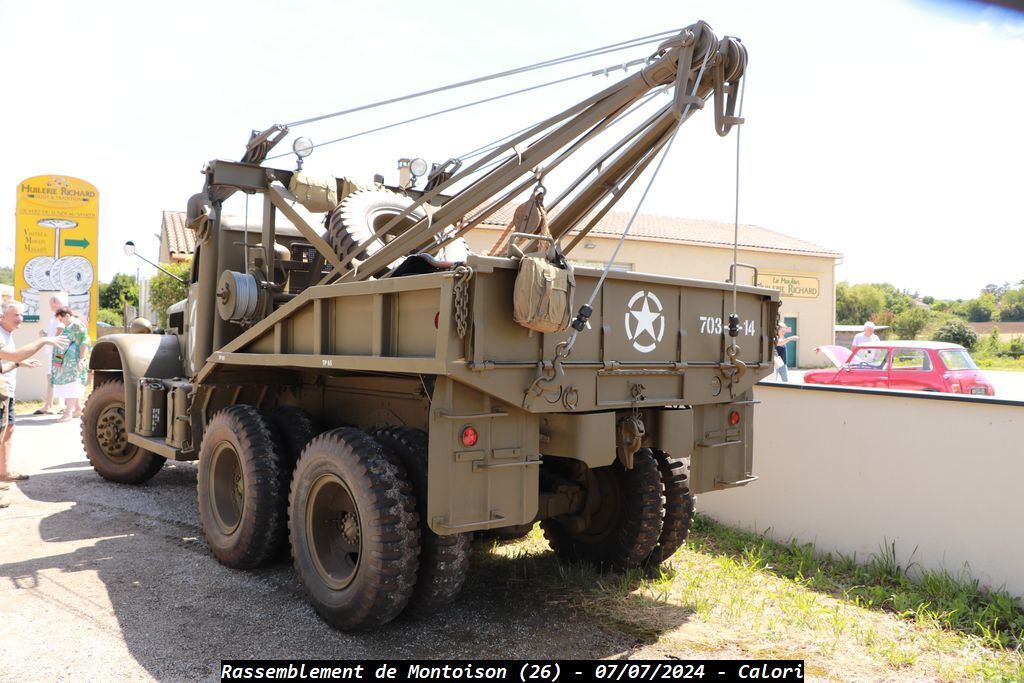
(614, 47)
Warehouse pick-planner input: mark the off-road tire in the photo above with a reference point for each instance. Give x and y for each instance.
(245, 525)
(103, 437)
(359, 215)
(444, 560)
(628, 524)
(351, 498)
(296, 428)
(678, 507)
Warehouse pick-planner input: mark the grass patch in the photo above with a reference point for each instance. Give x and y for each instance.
(728, 593)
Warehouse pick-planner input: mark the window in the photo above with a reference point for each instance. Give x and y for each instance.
(911, 360)
(957, 359)
(869, 358)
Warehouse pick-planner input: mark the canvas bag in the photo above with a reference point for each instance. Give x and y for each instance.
(316, 194)
(542, 300)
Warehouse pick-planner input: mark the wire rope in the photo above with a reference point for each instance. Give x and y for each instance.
(736, 213)
(622, 238)
(613, 47)
(422, 117)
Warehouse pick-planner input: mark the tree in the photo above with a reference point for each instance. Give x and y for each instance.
(980, 310)
(120, 290)
(165, 290)
(908, 323)
(858, 303)
(6, 275)
(956, 331)
(1011, 305)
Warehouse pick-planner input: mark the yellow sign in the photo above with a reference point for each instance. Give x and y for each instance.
(56, 250)
(792, 285)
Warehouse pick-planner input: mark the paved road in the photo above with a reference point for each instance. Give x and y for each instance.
(107, 582)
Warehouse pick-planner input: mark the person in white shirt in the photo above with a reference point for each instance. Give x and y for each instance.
(868, 336)
(54, 328)
(11, 358)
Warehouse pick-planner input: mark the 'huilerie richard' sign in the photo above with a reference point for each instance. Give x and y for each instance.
(793, 285)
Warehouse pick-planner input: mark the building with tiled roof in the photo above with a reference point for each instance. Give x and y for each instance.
(692, 231)
(177, 242)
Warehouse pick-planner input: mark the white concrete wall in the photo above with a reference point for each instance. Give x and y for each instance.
(850, 470)
(31, 381)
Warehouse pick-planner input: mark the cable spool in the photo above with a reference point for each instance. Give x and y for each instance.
(238, 297)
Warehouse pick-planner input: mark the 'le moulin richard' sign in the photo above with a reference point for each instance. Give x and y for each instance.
(792, 285)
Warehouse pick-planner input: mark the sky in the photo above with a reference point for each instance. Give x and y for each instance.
(885, 130)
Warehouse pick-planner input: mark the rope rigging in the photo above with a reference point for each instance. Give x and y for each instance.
(606, 49)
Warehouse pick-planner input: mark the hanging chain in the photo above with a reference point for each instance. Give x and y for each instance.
(463, 274)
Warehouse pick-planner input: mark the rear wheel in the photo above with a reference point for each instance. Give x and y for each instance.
(444, 560)
(104, 437)
(354, 530)
(296, 428)
(242, 488)
(625, 522)
(678, 507)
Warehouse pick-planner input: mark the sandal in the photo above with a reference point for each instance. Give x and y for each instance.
(43, 412)
(14, 476)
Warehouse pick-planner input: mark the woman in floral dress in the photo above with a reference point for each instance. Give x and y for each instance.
(71, 368)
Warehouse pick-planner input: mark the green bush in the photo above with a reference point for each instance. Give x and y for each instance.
(165, 291)
(120, 290)
(111, 316)
(909, 323)
(956, 332)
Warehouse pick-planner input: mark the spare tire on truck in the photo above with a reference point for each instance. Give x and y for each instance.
(351, 226)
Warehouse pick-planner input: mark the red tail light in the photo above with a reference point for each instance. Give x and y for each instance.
(734, 418)
(469, 436)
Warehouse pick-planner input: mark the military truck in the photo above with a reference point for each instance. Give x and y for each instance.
(363, 397)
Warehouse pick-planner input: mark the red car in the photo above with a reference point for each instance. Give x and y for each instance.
(905, 365)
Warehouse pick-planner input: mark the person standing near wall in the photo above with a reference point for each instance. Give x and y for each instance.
(54, 328)
(11, 359)
(868, 336)
(781, 369)
(71, 367)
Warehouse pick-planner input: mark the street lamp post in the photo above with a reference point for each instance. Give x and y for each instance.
(129, 250)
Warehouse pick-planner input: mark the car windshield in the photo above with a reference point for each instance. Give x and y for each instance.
(869, 358)
(957, 359)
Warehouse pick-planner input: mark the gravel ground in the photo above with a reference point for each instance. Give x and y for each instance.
(106, 582)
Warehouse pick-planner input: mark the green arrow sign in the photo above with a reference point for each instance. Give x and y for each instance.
(83, 243)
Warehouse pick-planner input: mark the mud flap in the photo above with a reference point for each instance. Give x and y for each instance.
(723, 451)
(488, 484)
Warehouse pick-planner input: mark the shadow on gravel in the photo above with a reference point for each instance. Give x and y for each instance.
(179, 612)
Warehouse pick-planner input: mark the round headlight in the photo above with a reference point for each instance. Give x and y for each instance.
(418, 167)
(302, 147)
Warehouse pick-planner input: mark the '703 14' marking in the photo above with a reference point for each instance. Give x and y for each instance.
(711, 324)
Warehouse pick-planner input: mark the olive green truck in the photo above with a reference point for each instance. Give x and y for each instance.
(369, 395)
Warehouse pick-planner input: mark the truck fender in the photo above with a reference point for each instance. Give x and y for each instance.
(131, 357)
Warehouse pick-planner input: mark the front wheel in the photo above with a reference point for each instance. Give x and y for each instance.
(354, 530)
(104, 437)
(242, 488)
